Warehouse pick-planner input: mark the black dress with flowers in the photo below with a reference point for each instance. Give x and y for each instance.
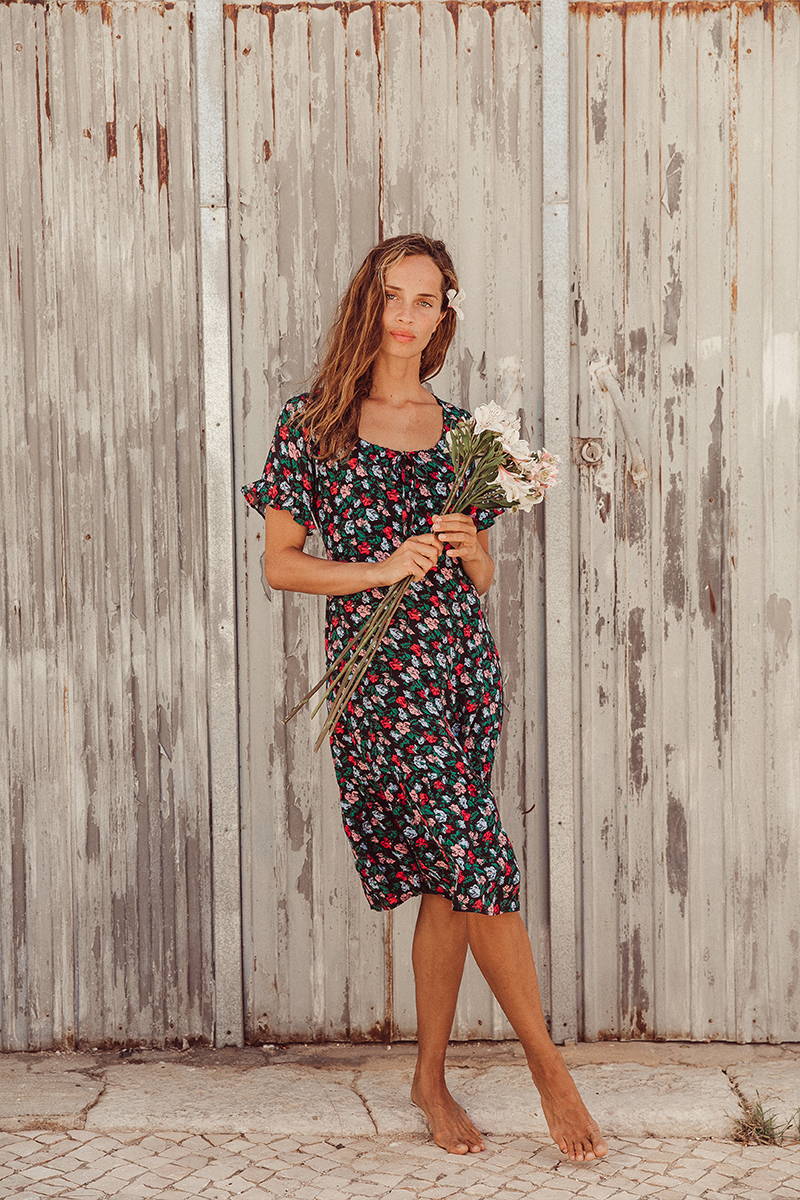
(414, 749)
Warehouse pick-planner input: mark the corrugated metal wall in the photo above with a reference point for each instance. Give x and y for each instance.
(350, 123)
(104, 862)
(346, 123)
(686, 263)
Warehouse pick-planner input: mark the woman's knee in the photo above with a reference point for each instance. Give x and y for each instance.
(441, 908)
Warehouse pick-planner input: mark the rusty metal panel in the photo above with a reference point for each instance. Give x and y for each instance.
(686, 369)
(349, 123)
(104, 870)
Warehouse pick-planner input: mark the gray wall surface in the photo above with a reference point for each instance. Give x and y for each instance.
(185, 193)
(105, 901)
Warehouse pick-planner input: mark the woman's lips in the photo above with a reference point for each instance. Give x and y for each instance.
(403, 337)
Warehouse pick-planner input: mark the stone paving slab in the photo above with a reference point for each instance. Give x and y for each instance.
(632, 1100)
(88, 1165)
(627, 1099)
(275, 1100)
(776, 1085)
(53, 1097)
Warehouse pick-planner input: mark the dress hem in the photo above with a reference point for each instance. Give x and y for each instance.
(456, 908)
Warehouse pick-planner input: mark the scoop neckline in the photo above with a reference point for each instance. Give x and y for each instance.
(425, 449)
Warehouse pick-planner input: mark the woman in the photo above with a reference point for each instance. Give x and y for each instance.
(362, 456)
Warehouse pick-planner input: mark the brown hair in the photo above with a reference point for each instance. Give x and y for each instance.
(330, 415)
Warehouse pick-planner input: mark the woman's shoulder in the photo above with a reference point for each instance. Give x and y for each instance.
(290, 417)
(293, 407)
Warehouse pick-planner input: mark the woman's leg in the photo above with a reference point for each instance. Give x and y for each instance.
(502, 950)
(438, 953)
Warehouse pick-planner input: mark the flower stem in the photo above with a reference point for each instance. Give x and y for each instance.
(356, 674)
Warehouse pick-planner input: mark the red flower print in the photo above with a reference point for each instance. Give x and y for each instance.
(419, 737)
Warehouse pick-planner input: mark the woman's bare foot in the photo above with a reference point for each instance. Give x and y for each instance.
(572, 1128)
(449, 1125)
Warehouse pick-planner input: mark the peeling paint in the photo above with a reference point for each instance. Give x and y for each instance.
(779, 621)
(677, 851)
(637, 700)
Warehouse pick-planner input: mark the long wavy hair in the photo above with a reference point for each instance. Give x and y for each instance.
(332, 408)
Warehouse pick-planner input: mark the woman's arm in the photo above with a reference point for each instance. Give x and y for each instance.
(288, 567)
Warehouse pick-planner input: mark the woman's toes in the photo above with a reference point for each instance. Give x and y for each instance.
(588, 1149)
(600, 1147)
(457, 1147)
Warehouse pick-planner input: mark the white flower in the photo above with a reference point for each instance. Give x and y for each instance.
(455, 299)
(520, 491)
(499, 420)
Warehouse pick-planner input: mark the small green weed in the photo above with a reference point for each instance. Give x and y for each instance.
(758, 1126)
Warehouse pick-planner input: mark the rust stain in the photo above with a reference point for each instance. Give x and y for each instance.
(733, 159)
(162, 154)
(632, 985)
(693, 8)
(345, 7)
(140, 142)
(111, 130)
(39, 126)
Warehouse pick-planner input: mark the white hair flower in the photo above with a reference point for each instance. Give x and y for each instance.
(455, 298)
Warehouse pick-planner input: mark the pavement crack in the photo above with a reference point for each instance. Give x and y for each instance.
(354, 1084)
(100, 1075)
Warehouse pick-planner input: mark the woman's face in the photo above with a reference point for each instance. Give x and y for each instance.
(413, 308)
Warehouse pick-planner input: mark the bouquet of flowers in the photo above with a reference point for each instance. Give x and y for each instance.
(494, 468)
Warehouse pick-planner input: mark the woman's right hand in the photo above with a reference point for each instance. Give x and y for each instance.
(415, 557)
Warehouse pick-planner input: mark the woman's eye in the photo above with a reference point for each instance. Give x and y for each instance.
(393, 296)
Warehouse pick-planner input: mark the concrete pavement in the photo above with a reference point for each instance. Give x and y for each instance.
(334, 1121)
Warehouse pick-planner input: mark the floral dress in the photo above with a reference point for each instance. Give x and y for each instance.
(414, 749)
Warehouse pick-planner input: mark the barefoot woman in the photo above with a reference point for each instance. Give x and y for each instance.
(362, 457)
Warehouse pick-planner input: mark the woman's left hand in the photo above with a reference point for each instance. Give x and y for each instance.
(460, 532)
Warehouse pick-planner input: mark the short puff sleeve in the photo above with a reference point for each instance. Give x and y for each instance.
(287, 480)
